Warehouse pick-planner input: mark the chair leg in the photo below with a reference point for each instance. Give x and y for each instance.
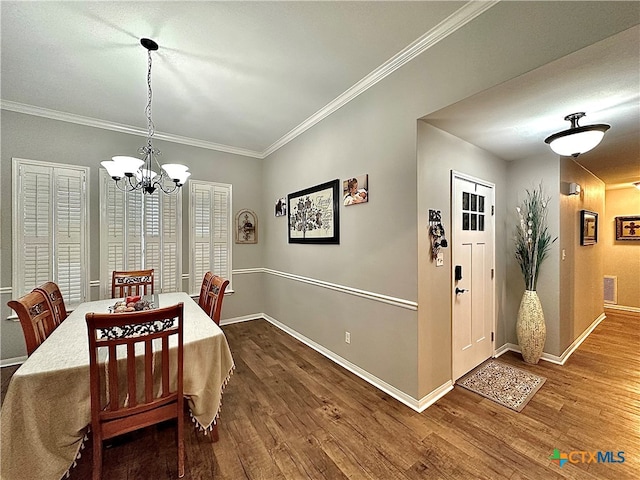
(180, 444)
(214, 434)
(97, 457)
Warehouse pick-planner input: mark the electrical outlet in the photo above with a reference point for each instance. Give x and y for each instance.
(347, 337)
(440, 259)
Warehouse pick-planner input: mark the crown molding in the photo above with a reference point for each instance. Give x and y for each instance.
(121, 128)
(449, 25)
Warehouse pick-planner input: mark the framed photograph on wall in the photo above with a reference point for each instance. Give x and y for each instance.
(355, 190)
(313, 214)
(628, 228)
(281, 207)
(588, 227)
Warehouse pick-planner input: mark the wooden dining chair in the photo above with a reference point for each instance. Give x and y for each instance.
(51, 291)
(117, 407)
(36, 318)
(204, 288)
(133, 282)
(214, 297)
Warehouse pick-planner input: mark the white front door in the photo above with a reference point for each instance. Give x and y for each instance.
(473, 262)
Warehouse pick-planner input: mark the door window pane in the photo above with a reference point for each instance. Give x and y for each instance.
(465, 221)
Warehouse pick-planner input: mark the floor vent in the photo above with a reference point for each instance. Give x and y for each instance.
(610, 289)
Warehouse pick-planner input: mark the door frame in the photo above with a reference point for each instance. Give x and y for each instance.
(464, 176)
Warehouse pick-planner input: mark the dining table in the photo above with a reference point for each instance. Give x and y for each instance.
(46, 412)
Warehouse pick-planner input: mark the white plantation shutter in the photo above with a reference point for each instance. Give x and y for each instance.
(69, 234)
(50, 228)
(210, 241)
(140, 231)
(171, 248)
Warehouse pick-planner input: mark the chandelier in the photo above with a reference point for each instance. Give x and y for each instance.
(577, 139)
(132, 173)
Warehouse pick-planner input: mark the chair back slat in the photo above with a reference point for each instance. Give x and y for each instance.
(119, 333)
(148, 371)
(214, 298)
(56, 303)
(113, 378)
(133, 282)
(131, 374)
(204, 289)
(36, 318)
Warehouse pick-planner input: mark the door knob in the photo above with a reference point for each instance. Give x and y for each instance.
(461, 290)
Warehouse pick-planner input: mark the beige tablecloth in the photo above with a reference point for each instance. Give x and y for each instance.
(47, 408)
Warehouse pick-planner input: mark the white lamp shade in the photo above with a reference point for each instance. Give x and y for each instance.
(183, 178)
(576, 143)
(145, 173)
(175, 170)
(128, 164)
(113, 169)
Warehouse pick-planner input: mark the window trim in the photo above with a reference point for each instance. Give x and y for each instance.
(85, 245)
(195, 283)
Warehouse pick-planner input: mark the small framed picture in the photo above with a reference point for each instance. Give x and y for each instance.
(355, 190)
(588, 227)
(281, 207)
(628, 228)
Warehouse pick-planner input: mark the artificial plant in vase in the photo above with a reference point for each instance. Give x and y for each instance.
(533, 243)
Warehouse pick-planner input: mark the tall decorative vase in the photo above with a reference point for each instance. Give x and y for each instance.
(530, 327)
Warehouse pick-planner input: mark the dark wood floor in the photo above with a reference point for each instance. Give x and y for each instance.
(289, 413)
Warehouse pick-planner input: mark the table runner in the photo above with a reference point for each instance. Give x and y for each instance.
(47, 408)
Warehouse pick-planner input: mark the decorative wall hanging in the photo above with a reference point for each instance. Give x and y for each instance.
(436, 232)
(628, 228)
(355, 190)
(588, 227)
(313, 214)
(246, 227)
(281, 207)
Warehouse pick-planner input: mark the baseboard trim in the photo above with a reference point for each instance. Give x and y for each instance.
(10, 362)
(632, 311)
(559, 360)
(245, 318)
(434, 396)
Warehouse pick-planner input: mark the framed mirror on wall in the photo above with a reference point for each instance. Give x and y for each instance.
(588, 227)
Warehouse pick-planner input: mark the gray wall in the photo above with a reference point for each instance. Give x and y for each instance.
(438, 153)
(527, 174)
(376, 134)
(37, 138)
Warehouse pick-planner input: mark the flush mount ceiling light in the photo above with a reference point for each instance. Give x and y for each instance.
(577, 139)
(132, 173)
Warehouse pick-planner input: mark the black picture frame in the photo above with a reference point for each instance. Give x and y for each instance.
(588, 227)
(313, 214)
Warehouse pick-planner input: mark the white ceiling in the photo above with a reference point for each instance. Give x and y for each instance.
(244, 76)
(513, 119)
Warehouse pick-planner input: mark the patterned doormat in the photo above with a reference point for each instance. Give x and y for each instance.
(502, 383)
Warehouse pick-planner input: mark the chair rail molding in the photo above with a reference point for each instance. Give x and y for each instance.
(398, 302)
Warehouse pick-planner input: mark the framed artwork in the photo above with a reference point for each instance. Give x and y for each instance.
(246, 227)
(281, 207)
(588, 227)
(628, 228)
(313, 214)
(355, 190)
